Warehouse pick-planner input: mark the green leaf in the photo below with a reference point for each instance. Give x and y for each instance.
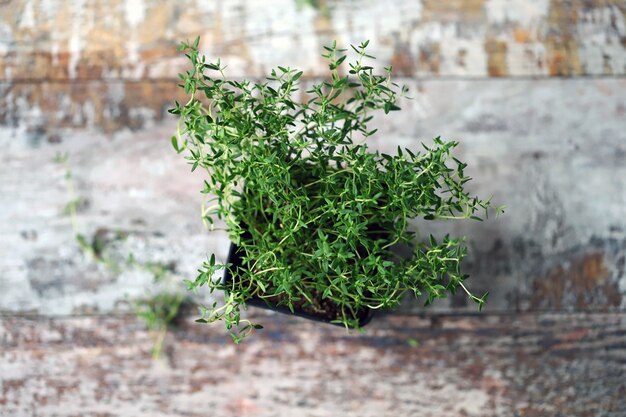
(482, 301)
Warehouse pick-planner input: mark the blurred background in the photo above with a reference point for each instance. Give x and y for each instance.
(534, 90)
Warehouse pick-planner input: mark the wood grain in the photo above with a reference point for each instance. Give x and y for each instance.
(487, 365)
(128, 39)
(535, 91)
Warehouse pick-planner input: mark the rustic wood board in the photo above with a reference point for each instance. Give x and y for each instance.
(114, 65)
(129, 39)
(553, 151)
(486, 365)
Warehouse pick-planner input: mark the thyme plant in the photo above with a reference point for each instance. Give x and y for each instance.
(313, 209)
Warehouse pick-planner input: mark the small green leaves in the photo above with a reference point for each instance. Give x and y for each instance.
(175, 145)
(390, 107)
(313, 209)
(482, 300)
(413, 342)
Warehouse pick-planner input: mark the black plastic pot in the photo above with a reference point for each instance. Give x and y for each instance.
(235, 260)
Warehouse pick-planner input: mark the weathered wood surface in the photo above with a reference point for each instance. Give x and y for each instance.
(551, 149)
(554, 151)
(136, 39)
(113, 65)
(490, 365)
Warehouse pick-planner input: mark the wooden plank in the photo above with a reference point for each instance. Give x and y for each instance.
(488, 365)
(552, 150)
(127, 39)
(43, 110)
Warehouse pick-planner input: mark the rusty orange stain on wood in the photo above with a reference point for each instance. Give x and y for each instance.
(496, 58)
(584, 281)
(562, 58)
(522, 35)
(561, 41)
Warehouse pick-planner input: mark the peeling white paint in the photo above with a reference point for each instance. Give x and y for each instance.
(134, 11)
(254, 36)
(269, 39)
(77, 118)
(74, 48)
(65, 103)
(601, 31)
(379, 22)
(6, 38)
(134, 67)
(8, 73)
(54, 50)
(76, 41)
(27, 20)
(462, 57)
(49, 8)
(115, 96)
(89, 110)
(208, 7)
(524, 12)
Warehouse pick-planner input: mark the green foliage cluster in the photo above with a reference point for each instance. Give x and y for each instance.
(315, 211)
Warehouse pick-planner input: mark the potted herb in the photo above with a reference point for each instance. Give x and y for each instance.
(312, 213)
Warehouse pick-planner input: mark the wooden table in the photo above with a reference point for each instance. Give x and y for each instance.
(540, 364)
